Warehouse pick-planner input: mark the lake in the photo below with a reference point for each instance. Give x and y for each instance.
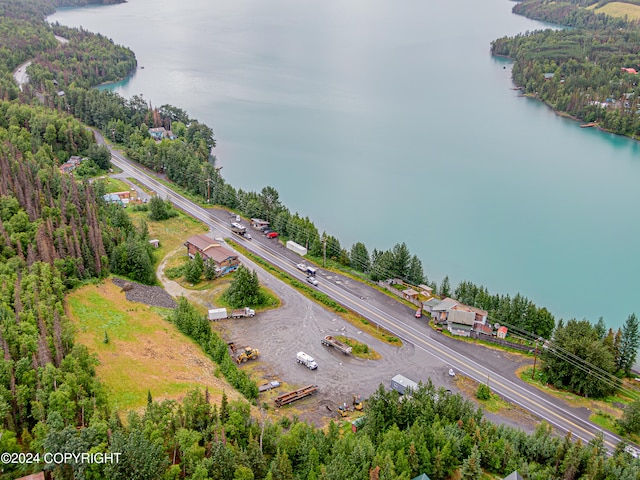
(389, 122)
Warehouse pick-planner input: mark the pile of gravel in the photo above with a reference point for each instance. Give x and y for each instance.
(154, 296)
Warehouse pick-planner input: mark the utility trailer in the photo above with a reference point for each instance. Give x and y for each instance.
(268, 386)
(330, 341)
(295, 395)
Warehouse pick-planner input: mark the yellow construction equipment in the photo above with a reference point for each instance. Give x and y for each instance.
(247, 354)
(242, 354)
(343, 410)
(357, 402)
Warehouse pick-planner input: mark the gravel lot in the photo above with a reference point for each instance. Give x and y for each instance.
(299, 325)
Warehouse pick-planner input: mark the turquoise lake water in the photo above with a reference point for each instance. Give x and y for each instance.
(390, 122)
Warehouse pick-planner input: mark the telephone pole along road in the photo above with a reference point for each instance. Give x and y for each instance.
(387, 314)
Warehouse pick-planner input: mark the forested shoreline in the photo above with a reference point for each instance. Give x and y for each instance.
(56, 233)
(588, 70)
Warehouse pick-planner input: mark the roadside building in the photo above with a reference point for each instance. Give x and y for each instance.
(157, 133)
(67, 168)
(428, 305)
(224, 259)
(112, 198)
(259, 224)
(441, 311)
(460, 322)
(125, 196)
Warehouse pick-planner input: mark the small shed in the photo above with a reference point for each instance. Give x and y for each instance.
(357, 423)
(502, 332)
(410, 294)
(155, 242)
(425, 290)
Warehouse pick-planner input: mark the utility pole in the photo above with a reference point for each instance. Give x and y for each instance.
(208, 182)
(324, 251)
(535, 358)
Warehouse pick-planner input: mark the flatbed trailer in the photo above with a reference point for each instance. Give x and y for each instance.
(268, 386)
(330, 341)
(295, 395)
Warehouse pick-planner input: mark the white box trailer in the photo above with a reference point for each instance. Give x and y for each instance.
(295, 247)
(218, 314)
(401, 384)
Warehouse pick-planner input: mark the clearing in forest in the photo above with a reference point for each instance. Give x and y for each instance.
(619, 10)
(144, 351)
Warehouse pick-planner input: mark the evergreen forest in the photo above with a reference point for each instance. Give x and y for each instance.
(57, 232)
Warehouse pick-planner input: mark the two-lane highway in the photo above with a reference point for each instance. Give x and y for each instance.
(512, 389)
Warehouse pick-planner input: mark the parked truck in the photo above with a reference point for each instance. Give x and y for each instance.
(306, 360)
(243, 312)
(220, 313)
(330, 341)
(238, 228)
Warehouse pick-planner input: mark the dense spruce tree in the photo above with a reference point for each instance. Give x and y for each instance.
(629, 343)
(580, 340)
(245, 289)
(359, 257)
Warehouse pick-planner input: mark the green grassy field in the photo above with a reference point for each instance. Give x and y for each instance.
(144, 353)
(620, 10)
(114, 185)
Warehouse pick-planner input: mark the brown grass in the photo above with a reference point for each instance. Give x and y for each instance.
(145, 352)
(619, 10)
